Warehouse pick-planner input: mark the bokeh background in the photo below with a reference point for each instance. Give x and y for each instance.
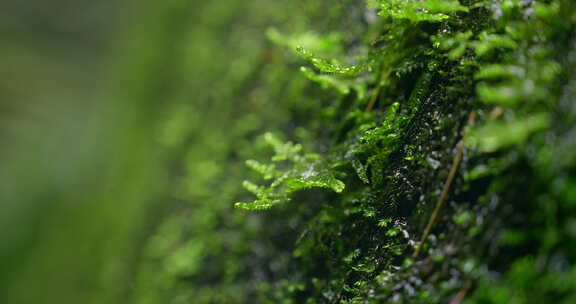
(78, 153)
(124, 126)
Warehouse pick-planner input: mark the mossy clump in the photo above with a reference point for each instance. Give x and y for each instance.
(435, 160)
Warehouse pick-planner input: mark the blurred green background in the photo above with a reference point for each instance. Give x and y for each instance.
(78, 147)
(118, 114)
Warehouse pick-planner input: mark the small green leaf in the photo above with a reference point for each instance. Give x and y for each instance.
(330, 66)
(489, 42)
(418, 11)
(496, 135)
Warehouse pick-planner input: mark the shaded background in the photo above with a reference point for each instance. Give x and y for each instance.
(74, 137)
(116, 115)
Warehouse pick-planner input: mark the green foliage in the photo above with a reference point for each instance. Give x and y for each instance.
(330, 66)
(457, 44)
(418, 11)
(386, 95)
(376, 144)
(342, 86)
(388, 113)
(501, 134)
(304, 170)
(333, 74)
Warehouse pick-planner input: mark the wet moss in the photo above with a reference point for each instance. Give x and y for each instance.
(459, 109)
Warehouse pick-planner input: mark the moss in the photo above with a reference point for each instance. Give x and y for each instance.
(456, 108)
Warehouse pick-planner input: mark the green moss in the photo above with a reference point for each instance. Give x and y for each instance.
(379, 114)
